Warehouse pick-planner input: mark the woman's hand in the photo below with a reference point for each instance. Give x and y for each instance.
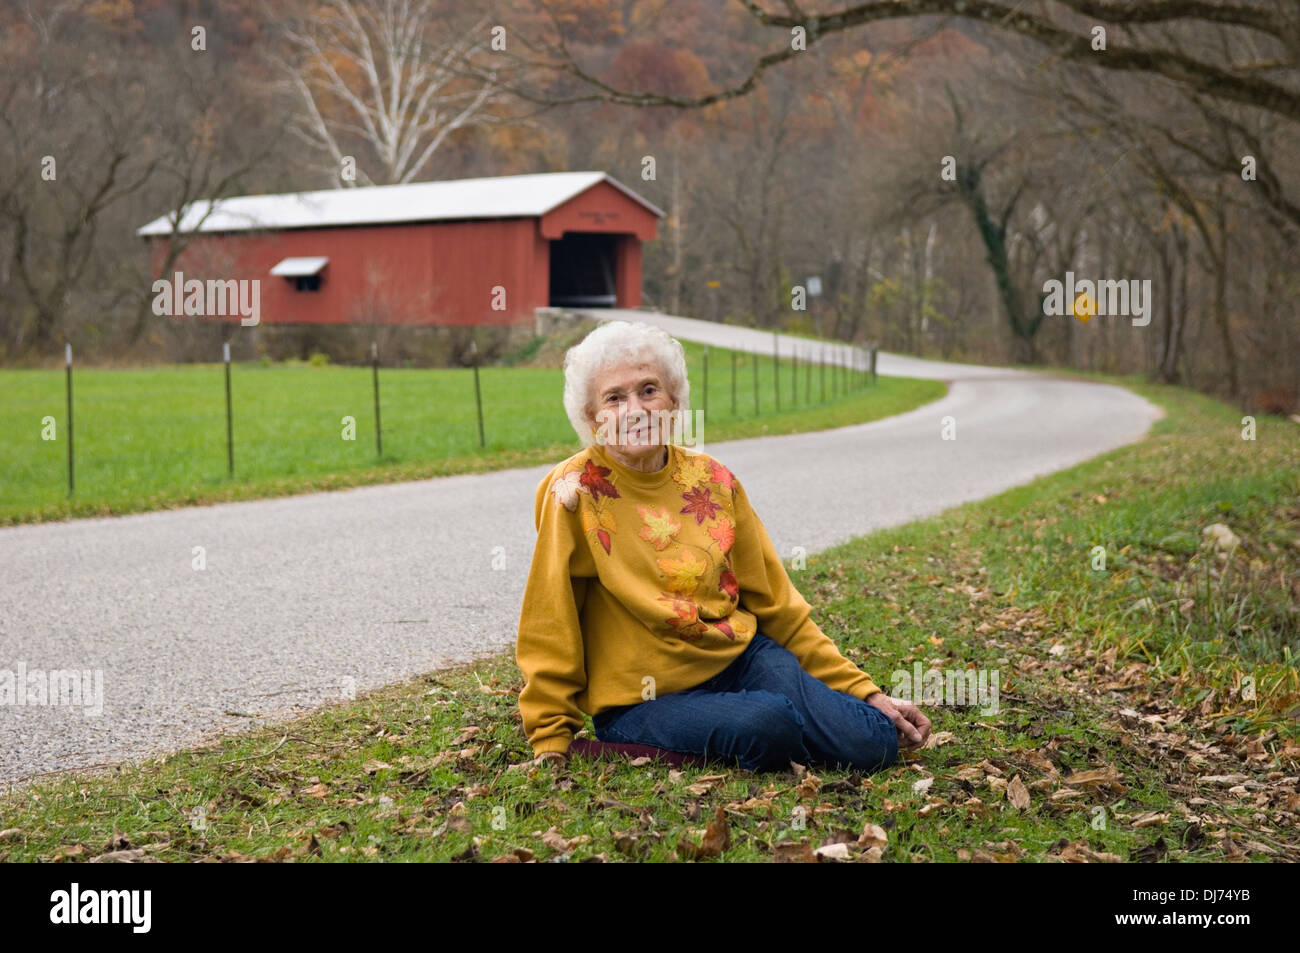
(913, 727)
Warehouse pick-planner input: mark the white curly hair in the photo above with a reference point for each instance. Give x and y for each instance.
(611, 344)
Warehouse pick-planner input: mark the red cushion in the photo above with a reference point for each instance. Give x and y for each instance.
(606, 750)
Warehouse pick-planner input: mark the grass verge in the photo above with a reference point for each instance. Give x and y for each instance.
(156, 438)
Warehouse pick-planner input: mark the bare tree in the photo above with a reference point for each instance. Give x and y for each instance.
(387, 77)
(92, 142)
(1236, 53)
(1065, 27)
(1186, 161)
(203, 152)
(70, 127)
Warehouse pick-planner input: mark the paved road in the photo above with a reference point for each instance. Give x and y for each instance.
(305, 599)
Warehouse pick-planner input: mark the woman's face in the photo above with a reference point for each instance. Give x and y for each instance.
(630, 395)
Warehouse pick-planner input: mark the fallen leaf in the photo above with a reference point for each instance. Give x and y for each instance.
(556, 841)
(1065, 794)
(123, 857)
(1227, 780)
(832, 852)
(705, 784)
(808, 787)
(1018, 794)
(793, 852)
(1106, 777)
(118, 841)
(630, 844)
(1081, 853)
(1149, 819)
(717, 838)
(873, 835)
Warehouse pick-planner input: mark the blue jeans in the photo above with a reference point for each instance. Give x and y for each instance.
(762, 711)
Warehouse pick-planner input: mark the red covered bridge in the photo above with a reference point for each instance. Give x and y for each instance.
(466, 251)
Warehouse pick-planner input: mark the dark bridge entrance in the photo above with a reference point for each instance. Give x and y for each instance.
(582, 270)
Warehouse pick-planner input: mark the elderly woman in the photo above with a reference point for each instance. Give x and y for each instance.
(657, 603)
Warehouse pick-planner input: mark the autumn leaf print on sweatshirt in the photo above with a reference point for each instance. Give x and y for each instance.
(591, 480)
(685, 565)
(691, 568)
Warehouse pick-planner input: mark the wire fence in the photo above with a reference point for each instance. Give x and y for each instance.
(149, 437)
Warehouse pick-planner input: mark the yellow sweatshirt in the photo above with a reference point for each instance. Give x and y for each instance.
(643, 584)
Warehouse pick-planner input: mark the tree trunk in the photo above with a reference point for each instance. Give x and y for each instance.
(994, 237)
(1221, 299)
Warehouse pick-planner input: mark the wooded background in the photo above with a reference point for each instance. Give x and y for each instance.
(1169, 155)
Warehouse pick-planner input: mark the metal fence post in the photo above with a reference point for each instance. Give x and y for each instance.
(230, 433)
(776, 368)
(374, 367)
(67, 359)
(734, 357)
(478, 395)
(706, 383)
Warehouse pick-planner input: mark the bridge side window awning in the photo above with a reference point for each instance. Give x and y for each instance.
(303, 272)
(300, 267)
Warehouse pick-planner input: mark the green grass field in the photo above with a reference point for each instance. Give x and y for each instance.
(156, 438)
(1148, 710)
